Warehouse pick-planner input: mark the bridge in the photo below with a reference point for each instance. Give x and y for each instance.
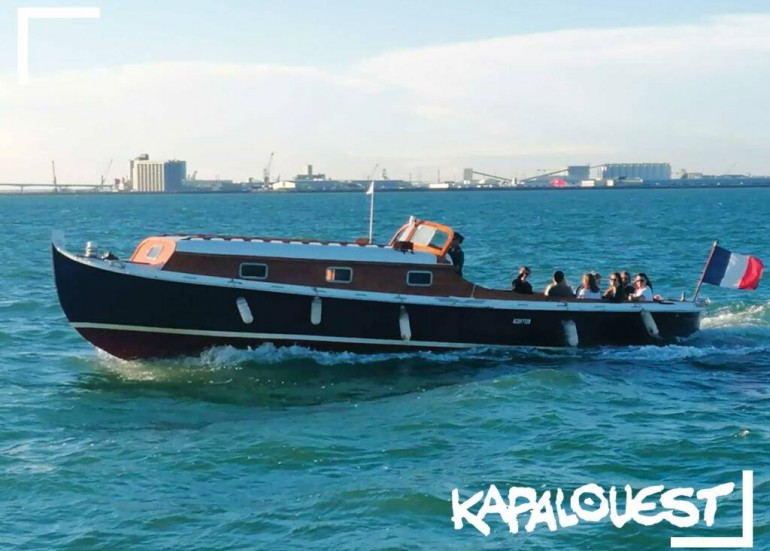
(53, 188)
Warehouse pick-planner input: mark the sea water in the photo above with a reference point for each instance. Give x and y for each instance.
(284, 448)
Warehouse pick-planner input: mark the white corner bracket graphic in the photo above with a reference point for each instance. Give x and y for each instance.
(23, 15)
(745, 541)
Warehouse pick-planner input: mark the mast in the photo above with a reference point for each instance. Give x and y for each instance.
(703, 274)
(370, 192)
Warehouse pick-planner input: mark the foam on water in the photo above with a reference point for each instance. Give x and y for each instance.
(228, 356)
(739, 315)
(676, 352)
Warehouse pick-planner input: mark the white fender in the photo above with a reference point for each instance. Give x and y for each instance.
(403, 324)
(649, 324)
(316, 309)
(570, 333)
(244, 310)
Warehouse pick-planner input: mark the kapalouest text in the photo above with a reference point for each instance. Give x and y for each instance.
(525, 509)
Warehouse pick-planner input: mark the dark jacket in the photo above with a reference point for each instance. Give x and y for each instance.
(521, 287)
(458, 259)
(616, 294)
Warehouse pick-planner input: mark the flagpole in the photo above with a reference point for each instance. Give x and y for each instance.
(371, 204)
(700, 281)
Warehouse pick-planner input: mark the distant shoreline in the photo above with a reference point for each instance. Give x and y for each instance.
(647, 187)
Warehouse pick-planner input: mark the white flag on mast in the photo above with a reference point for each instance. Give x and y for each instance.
(370, 193)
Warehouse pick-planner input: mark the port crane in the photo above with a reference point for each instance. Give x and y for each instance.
(105, 174)
(55, 184)
(266, 171)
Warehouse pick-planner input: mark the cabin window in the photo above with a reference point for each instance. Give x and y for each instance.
(438, 240)
(423, 235)
(419, 279)
(339, 275)
(429, 236)
(403, 234)
(253, 271)
(154, 251)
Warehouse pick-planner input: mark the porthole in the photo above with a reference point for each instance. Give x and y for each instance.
(339, 275)
(419, 279)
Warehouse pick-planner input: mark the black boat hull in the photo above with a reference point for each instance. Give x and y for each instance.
(150, 316)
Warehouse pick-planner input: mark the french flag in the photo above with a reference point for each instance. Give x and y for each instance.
(737, 271)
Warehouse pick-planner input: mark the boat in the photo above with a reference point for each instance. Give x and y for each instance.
(178, 295)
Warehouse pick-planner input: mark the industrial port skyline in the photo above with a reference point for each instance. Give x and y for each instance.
(508, 94)
(171, 176)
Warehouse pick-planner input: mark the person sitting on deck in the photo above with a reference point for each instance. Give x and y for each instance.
(520, 284)
(643, 291)
(589, 289)
(456, 253)
(559, 287)
(628, 287)
(616, 292)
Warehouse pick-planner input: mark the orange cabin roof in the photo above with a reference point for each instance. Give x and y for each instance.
(425, 236)
(154, 251)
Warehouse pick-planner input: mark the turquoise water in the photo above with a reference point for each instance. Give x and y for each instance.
(290, 449)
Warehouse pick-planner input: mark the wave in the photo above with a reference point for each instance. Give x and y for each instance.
(266, 355)
(739, 315)
(673, 353)
(228, 356)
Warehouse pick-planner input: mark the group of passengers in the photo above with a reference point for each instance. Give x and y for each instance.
(619, 289)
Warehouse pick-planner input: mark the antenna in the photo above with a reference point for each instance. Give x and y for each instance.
(370, 192)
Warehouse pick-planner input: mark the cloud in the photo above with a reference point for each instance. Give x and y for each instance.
(592, 86)
(689, 94)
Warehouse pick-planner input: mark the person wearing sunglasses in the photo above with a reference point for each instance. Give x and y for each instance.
(521, 283)
(616, 292)
(642, 289)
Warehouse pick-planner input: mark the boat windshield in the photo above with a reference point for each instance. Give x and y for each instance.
(429, 237)
(424, 236)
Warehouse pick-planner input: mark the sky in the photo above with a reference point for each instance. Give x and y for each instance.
(507, 87)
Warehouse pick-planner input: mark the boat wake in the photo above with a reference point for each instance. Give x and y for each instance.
(287, 376)
(739, 316)
(735, 330)
(270, 375)
(268, 354)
